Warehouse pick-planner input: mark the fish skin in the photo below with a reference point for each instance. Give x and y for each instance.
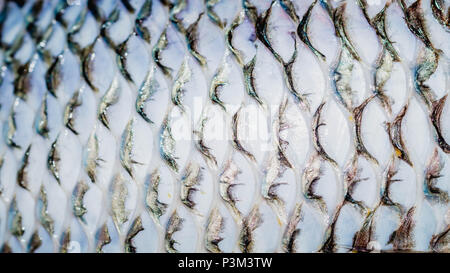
(183, 76)
(145, 94)
(415, 21)
(32, 15)
(282, 125)
(358, 113)
(291, 232)
(302, 31)
(45, 219)
(22, 83)
(104, 30)
(136, 227)
(330, 245)
(167, 3)
(144, 13)
(289, 78)
(69, 112)
(191, 178)
(273, 172)
(352, 177)
(174, 224)
(439, 242)
(437, 7)
(53, 77)
(12, 127)
(11, 50)
(427, 64)
(167, 145)
(227, 181)
(65, 241)
(381, 76)
(394, 129)
(191, 40)
(88, 56)
(214, 227)
(378, 23)
(53, 160)
(339, 21)
(126, 150)
(122, 53)
(200, 144)
(42, 40)
(157, 51)
(311, 175)
(433, 172)
(32, 79)
(435, 117)
(75, 29)
(179, 7)
(77, 200)
(213, 16)
(229, 37)
(249, 79)
(22, 174)
(261, 24)
(59, 13)
(92, 157)
(289, 8)
(128, 5)
(316, 124)
(110, 98)
(363, 237)
(16, 227)
(34, 243)
(103, 238)
(42, 123)
(156, 207)
(236, 141)
(387, 56)
(401, 238)
(342, 76)
(249, 224)
(96, 12)
(118, 198)
(250, 10)
(388, 181)
(218, 81)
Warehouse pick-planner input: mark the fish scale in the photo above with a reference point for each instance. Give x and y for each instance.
(204, 126)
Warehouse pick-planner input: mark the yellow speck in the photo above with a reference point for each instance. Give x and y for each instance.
(398, 153)
(350, 118)
(170, 195)
(279, 221)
